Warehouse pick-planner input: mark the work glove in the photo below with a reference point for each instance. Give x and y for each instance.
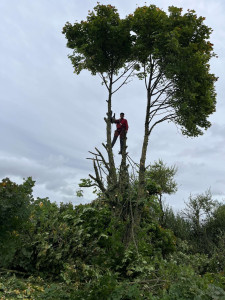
(113, 118)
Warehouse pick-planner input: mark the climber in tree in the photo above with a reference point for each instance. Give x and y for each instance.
(121, 130)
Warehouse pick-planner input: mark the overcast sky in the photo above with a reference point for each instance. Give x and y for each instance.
(50, 118)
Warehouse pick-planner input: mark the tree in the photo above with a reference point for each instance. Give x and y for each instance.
(102, 45)
(215, 231)
(173, 53)
(177, 223)
(15, 208)
(198, 208)
(215, 224)
(15, 200)
(163, 177)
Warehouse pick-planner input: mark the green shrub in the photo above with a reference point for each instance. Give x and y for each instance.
(15, 205)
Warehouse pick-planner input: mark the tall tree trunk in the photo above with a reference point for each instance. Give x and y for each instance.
(146, 132)
(141, 179)
(123, 173)
(144, 146)
(141, 184)
(112, 178)
(145, 142)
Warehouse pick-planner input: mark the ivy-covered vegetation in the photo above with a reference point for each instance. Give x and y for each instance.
(51, 251)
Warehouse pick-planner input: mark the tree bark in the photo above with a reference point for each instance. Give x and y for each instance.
(146, 132)
(112, 177)
(145, 142)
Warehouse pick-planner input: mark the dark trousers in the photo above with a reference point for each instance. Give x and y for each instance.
(122, 134)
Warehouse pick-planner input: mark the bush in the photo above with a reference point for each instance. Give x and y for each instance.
(15, 204)
(81, 254)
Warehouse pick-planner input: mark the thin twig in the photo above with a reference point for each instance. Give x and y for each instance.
(125, 71)
(95, 159)
(95, 154)
(169, 117)
(104, 80)
(124, 82)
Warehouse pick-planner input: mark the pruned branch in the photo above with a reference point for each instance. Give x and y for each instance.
(104, 146)
(103, 159)
(99, 170)
(98, 179)
(95, 154)
(94, 159)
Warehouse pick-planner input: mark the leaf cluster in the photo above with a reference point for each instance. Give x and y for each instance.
(163, 177)
(101, 44)
(177, 46)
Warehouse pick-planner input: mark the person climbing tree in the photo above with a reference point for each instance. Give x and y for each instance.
(121, 130)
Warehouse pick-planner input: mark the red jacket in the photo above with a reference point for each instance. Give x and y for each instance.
(121, 123)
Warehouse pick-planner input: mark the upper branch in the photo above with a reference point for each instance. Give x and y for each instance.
(145, 77)
(154, 85)
(104, 80)
(124, 82)
(161, 92)
(168, 117)
(125, 71)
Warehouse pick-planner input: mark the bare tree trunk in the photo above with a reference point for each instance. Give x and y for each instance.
(145, 142)
(141, 184)
(112, 178)
(124, 175)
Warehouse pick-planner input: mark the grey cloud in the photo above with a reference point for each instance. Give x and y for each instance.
(53, 176)
(50, 118)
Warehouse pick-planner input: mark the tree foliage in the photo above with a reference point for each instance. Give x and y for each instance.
(163, 176)
(174, 52)
(198, 208)
(14, 204)
(67, 252)
(101, 44)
